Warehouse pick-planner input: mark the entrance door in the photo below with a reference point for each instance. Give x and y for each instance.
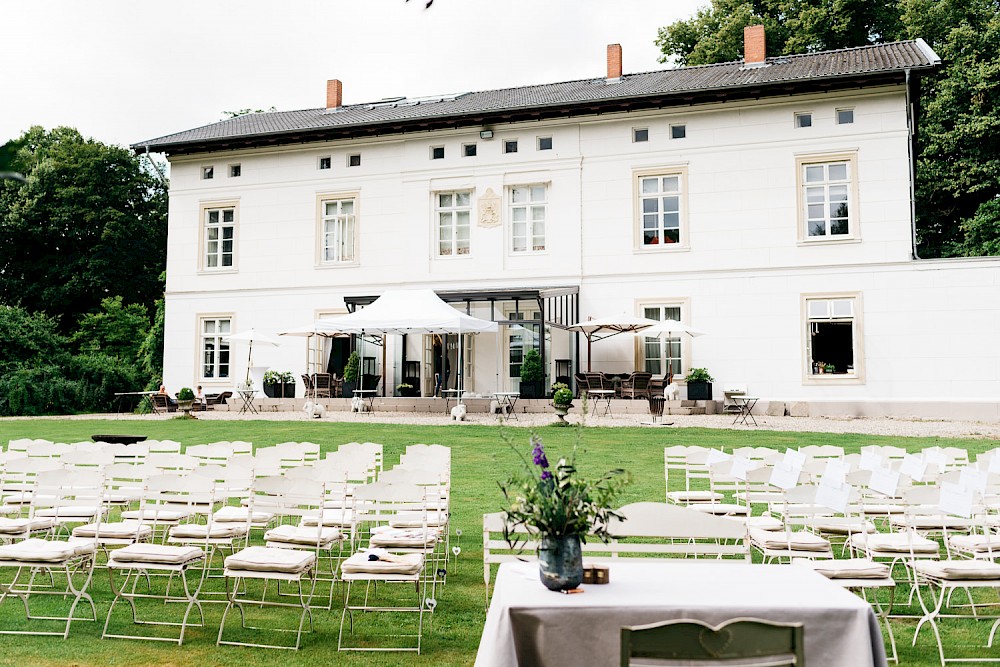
(520, 338)
(427, 372)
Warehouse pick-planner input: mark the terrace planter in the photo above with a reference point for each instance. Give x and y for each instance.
(699, 391)
(532, 389)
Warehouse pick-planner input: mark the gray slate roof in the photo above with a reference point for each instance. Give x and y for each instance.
(785, 73)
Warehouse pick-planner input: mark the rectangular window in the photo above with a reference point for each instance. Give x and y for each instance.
(324, 162)
(510, 146)
(339, 229)
(469, 150)
(826, 192)
(207, 173)
(640, 134)
(661, 355)
(803, 120)
(845, 116)
(437, 152)
(544, 143)
(678, 131)
(527, 217)
(353, 160)
(235, 170)
(453, 212)
(832, 336)
(215, 348)
(660, 208)
(219, 237)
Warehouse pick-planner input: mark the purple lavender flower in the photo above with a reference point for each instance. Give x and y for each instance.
(538, 456)
(546, 475)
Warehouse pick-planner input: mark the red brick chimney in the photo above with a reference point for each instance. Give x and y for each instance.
(614, 62)
(334, 93)
(754, 45)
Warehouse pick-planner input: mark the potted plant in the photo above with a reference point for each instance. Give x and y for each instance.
(287, 385)
(272, 384)
(185, 400)
(351, 373)
(532, 375)
(405, 389)
(830, 369)
(562, 401)
(562, 508)
(699, 385)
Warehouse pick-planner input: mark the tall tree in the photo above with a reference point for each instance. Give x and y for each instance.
(958, 164)
(89, 223)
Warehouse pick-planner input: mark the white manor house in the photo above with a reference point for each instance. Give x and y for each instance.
(767, 202)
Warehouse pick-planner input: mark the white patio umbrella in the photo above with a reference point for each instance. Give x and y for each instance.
(670, 329)
(252, 337)
(309, 331)
(605, 327)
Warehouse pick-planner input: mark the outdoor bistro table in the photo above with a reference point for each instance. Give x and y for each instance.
(527, 624)
(507, 400)
(745, 404)
(367, 395)
(146, 399)
(600, 396)
(247, 396)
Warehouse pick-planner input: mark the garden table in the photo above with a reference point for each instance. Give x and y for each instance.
(507, 400)
(527, 624)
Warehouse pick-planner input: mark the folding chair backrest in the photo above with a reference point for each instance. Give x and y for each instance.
(134, 454)
(377, 503)
(822, 451)
(242, 447)
(740, 641)
(496, 549)
(93, 460)
(288, 498)
(172, 463)
(125, 483)
(665, 530)
(47, 450)
(430, 450)
(374, 449)
(163, 446)
(19, 474)
(19, 444)
(69, 491)
(214, 454)
(191, 494)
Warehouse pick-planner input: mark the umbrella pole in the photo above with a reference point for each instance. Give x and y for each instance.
(249, 357)
(589, 360)
(461, 374)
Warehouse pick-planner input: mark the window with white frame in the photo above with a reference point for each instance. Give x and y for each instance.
(339, 229)
(453, 211)
(660, 208)
(527, 217)
(219, 237)
(826, 193)
(662, 355)
(215, 348)
(832, 336)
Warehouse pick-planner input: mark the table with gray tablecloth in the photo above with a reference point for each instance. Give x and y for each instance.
(530, 626)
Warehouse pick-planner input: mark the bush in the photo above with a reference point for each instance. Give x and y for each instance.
(352, 369)
(698, 375)
(562, 396)
(531, 367)
(100, 376)
(38, 390)
(185, 394)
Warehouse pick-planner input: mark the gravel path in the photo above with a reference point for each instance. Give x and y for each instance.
(866, 425)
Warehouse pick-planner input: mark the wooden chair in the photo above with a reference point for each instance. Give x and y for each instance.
(743, 641)
(581, 384)
(307, 382)
(322, 385)
(636, 385)
(162, 404)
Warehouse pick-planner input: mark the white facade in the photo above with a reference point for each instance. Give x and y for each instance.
(743, 270)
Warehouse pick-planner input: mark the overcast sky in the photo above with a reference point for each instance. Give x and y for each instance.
(122, 71)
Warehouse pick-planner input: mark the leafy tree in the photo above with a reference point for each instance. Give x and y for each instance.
(89, 223)
(958, 159)
(29, 339)
(151, 350)
(116, 331)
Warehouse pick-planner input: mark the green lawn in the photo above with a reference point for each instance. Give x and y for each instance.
(479, 460)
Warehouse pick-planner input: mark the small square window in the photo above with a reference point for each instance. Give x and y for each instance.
(845, 116)
(640, 134)
(678, 131)
(469, 150)
(437, 152)
(353, 160)
(544, 143)
(803, 120)
(510, 146)
(235, 171)
(324, 162)
(208, 173)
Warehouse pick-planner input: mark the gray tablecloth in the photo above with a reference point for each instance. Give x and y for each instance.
(530, 626)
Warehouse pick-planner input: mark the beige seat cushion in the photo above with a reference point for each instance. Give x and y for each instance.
(408, 564)
(44, 551)
(201, 531)
(302, 535)
(763, 522)
(931, 522)
(387, 537)
(154, 514)
(264, 559)
(882, 509)
(958, 569)
(843, 526)
(155, 554)
(23, 525)
(895, 543)
(416, 519)
(80, 512)
(847, 568)
(684, 497)
(233, 514)
(800, 540)
(116, 530)
(332, 517)
(976, 543)
(720, 508)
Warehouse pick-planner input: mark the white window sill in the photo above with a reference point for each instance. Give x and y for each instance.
(452, 258)
(664, 247)
(338, 265)
(833, 378)
(207, 272)
(828, 240)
